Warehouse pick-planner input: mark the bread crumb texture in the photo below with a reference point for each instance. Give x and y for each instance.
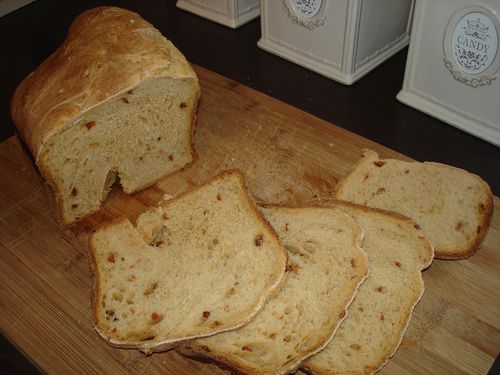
(453, 206)
(325, 266)
(380, 312)
(190, 267)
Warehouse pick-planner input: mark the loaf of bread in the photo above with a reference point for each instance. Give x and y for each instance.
(377, 318)
(452, 206)
(326, 266)
(116, 101)
(200, 263)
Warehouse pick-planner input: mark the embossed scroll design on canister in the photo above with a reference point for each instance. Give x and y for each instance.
(471, 47)
(302, 12)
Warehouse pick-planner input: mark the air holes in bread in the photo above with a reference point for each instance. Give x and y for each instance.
(110, 314)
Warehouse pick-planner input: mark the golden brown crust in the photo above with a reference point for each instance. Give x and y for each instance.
(107, 50)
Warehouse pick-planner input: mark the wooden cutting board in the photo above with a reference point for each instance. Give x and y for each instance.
(288, 156)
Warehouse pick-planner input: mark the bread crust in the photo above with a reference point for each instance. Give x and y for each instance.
(108, 50)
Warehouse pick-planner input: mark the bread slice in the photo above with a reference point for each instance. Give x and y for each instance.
(452, 206)
(326, 266)
(116, 101)
(377, 318)
(201, 263)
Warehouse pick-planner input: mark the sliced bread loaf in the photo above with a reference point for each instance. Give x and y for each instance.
(325, 267)
(115, 101)
(201, 263)
(377, 318)
(452, 206)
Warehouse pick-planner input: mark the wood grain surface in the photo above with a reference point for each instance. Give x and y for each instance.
(288, 156)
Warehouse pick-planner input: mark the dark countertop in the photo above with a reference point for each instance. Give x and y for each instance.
(368, 108)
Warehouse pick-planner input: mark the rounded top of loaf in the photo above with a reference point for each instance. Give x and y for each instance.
(107, 51)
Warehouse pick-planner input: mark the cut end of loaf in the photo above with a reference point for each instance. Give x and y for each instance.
(136, 138)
